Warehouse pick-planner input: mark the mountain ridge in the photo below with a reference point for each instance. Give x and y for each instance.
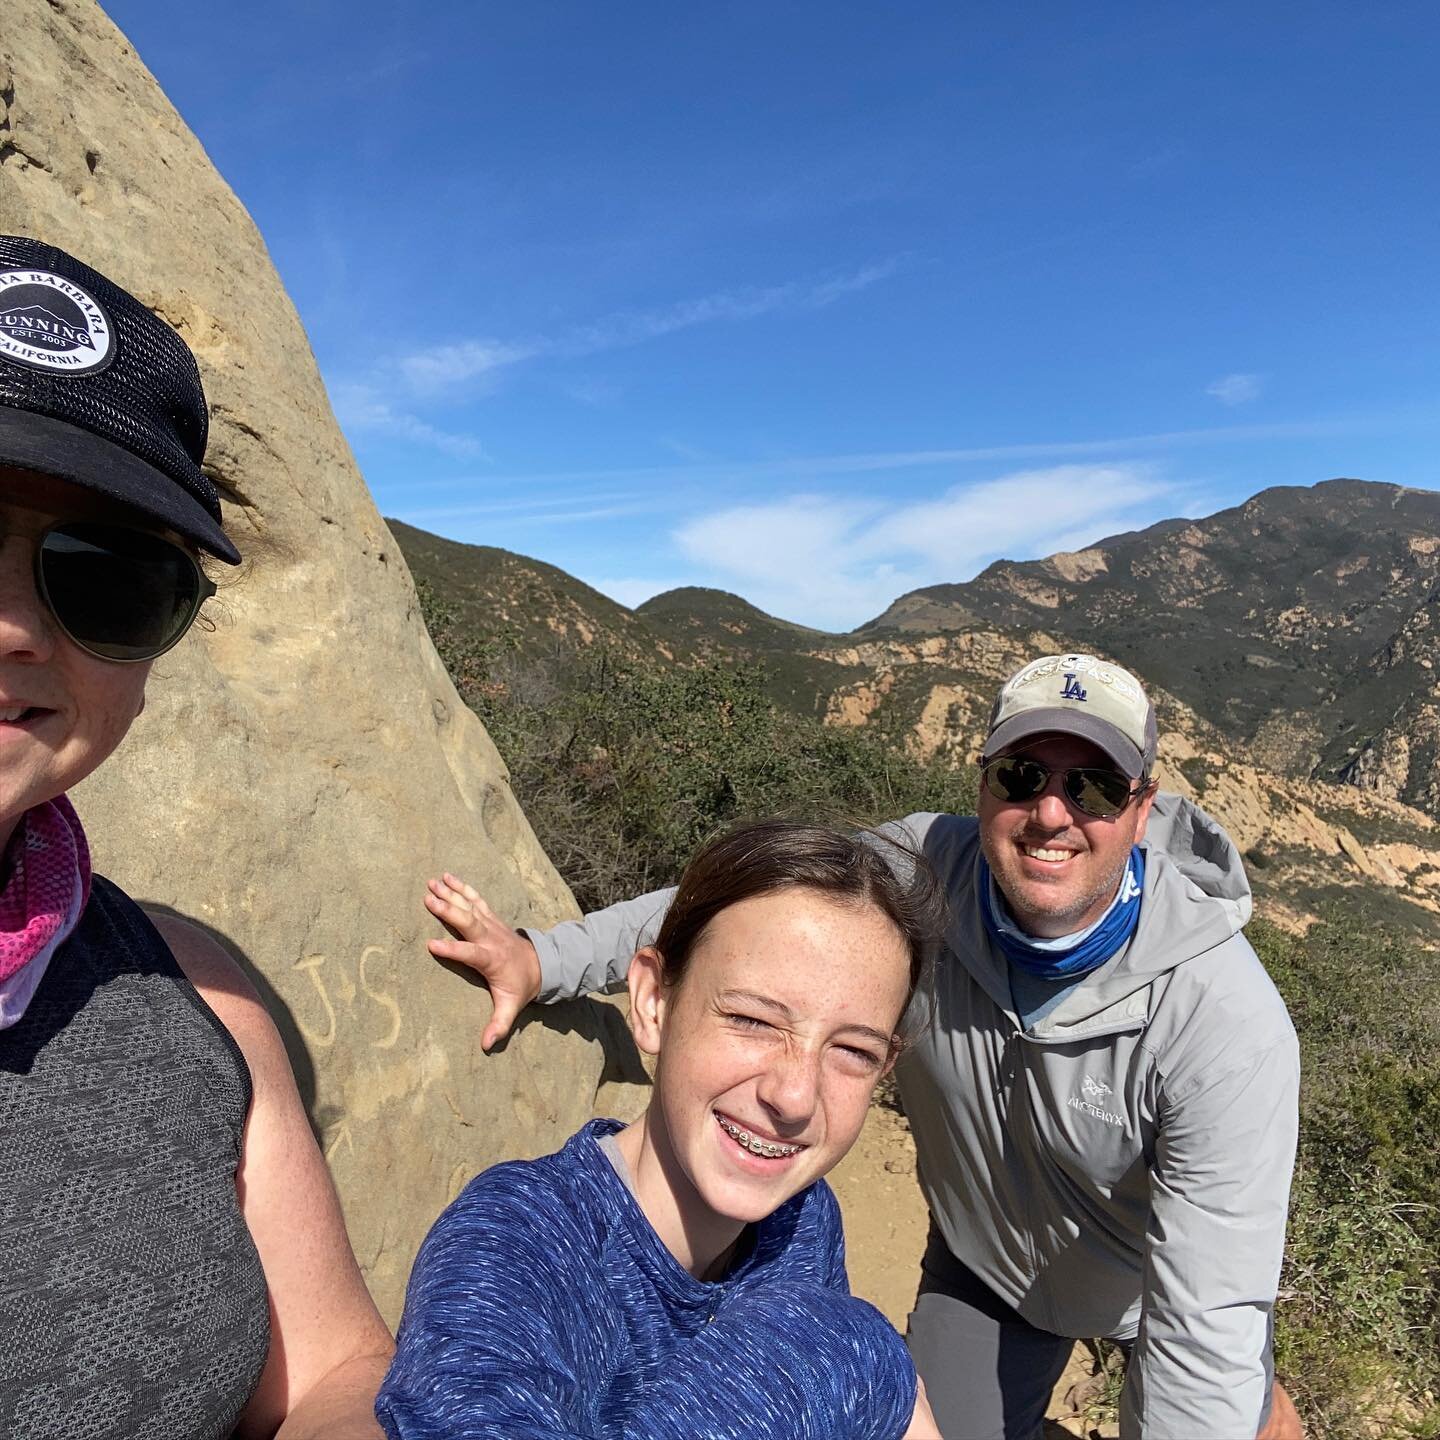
(1291, 645)
(1289, 602)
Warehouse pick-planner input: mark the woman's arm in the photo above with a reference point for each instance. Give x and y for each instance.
(329, 1347)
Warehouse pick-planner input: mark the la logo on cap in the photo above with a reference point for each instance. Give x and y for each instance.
(50, 323)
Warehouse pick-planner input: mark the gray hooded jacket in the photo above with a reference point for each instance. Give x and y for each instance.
(1121, 1169)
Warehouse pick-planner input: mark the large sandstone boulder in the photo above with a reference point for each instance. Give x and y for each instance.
(300, 768)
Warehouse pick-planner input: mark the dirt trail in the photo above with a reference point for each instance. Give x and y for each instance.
(885, 1227)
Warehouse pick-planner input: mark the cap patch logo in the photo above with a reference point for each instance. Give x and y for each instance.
(50, 323)
(1073, 690)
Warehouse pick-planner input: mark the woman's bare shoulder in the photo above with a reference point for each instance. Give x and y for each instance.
(224, 987)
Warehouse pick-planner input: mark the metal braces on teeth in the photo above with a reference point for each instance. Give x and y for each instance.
(755, 1145)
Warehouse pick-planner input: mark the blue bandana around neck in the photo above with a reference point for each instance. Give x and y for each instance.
(1099, 944)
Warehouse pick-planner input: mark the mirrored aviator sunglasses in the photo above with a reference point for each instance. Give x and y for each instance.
(119, 594)
(1100, 793)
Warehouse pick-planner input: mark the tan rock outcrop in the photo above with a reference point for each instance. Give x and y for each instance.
(951, 723)
(853, 705)
(1077, 566)
(1351, 847)
(985, 653)
(301, 768)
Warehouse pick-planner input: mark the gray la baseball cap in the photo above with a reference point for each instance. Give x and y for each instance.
(1079, 695)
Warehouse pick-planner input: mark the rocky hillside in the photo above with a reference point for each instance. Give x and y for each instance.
(1301, 623)
(1290, 645)
(493, 593)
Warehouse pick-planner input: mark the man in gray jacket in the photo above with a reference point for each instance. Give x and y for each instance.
(1104, 1107)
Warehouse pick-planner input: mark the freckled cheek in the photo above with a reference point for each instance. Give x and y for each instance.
(846, 1100)
(743, 1057)
(711, 1065)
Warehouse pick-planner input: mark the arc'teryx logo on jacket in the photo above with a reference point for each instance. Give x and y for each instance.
(1095, 1091)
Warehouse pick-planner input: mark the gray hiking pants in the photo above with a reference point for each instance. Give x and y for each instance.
(988, 1373)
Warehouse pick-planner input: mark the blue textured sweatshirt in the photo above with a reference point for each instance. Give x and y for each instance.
(543, 1304)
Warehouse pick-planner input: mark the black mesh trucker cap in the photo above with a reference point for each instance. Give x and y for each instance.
(96, 389)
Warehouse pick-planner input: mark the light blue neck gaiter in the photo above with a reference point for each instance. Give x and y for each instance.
(1094, 947)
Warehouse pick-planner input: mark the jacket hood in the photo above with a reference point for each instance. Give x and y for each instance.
(1195, 845)
(1196, 897)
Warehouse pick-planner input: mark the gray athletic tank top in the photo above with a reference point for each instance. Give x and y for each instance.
(132, 1302)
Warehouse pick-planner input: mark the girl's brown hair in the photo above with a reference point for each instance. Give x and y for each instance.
(855, 867)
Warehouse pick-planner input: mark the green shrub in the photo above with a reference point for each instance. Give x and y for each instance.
(1196, 769)
(1358, 1323)
(624, 768)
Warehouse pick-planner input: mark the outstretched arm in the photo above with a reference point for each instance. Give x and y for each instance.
(506, 1333)
(328, 1345)
(578, 957)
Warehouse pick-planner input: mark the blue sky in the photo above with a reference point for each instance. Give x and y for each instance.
(819, 302)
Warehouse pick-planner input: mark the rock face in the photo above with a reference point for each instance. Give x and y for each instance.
(303, 766)
(1402, 758)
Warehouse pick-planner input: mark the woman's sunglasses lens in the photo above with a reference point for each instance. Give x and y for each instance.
(1102, 793)
(120, 594)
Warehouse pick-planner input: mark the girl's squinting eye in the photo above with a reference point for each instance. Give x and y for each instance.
(746, 1022)
(868, 1058)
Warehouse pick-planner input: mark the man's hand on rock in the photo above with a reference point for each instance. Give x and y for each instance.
(504, 958)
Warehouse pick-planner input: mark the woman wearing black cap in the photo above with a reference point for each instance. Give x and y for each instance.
(175, 1263)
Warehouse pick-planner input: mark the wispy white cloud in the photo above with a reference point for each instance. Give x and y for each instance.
(443, 367)
(633, 327)
(834, 563)
(361, 409)
(804, 469)
(683, 450)
(596, 391)
(761, 542)
(1155, 161)
(531, 504)
(523, 519)
(1237, 389)
(1030, 512)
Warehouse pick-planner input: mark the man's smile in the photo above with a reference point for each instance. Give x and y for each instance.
(1053, 856)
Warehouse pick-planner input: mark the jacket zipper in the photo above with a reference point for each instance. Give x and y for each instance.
(1020, 1095)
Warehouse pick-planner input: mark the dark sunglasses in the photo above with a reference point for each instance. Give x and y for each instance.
(119, 594)
(1101, 793)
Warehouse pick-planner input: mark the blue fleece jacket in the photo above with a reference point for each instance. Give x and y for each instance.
(543, 1304)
